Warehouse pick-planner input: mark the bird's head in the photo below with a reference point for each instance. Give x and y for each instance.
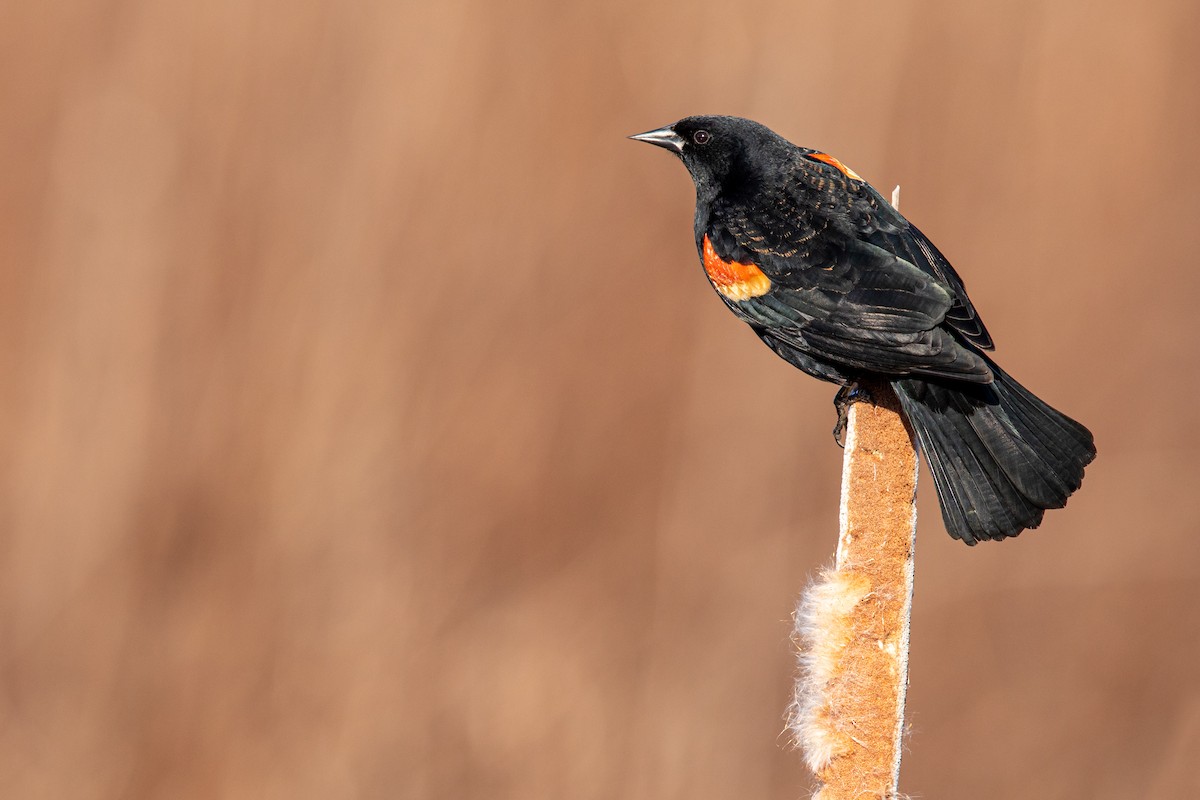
(722, 153)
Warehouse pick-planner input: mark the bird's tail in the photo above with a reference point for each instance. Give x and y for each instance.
(999, 455)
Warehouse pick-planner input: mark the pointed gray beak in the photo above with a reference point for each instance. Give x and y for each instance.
(663, 137)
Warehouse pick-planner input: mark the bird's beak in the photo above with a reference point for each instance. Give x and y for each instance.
(663, 137)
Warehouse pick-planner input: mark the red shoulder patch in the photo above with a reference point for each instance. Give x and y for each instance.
(838, 165)
(734, 279)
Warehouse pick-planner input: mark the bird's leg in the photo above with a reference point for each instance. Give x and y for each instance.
(845, 397)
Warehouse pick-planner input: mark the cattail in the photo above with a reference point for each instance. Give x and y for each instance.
(852, 625)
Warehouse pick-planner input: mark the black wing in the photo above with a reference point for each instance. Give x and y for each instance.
(883, 226)
(834, 296)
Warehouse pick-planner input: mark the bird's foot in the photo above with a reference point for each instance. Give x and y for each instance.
(846, 396)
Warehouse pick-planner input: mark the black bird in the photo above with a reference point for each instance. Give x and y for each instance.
(834, 280)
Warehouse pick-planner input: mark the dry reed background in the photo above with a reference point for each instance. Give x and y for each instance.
(370, 432)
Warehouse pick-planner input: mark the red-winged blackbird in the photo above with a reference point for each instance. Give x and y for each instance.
(839, 284)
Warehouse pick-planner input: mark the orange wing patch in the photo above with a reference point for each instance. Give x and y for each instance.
(733, 279)
(833, 162)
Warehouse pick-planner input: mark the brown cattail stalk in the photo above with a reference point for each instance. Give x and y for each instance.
(853, 623)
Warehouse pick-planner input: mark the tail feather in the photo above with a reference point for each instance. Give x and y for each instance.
(1062, 441)
(999, 455)
(1007, 446)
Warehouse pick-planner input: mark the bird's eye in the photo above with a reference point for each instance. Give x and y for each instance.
(701, 137)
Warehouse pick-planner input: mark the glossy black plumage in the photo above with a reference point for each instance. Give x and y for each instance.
(838, 283)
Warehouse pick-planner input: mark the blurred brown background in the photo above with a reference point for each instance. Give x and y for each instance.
(366, 416)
